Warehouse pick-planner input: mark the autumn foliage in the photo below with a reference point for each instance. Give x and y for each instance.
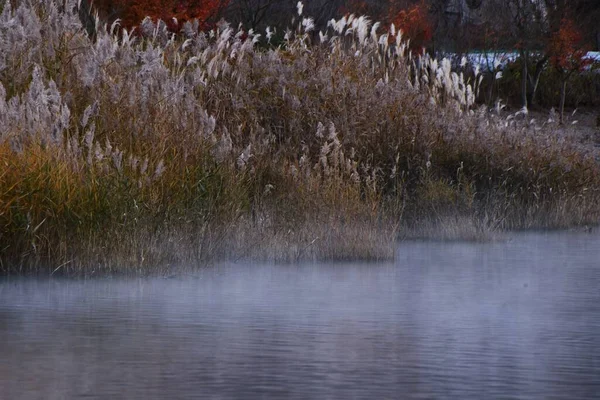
(410, 16)
(566, 48)
(415, 24)
(173, 12)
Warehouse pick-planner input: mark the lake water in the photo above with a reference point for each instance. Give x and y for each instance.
(511, 319)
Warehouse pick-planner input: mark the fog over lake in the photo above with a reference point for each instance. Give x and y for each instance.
(517, 318)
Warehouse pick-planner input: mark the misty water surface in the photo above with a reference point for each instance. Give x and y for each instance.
(515, 319)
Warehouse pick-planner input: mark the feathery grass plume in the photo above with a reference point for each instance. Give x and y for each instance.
(140, 152)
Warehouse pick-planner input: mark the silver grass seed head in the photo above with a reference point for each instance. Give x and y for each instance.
(323, 38)
(320, 130)
(160, 169)
(144, 166)
(308, 24)
(99, 155)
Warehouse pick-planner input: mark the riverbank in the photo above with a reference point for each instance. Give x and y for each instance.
(132, 154)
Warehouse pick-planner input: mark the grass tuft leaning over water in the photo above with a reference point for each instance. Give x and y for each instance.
(134, 153)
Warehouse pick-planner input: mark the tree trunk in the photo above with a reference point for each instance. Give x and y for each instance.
(534, 80)
(490, 100)
(563, 91)
(524, 78)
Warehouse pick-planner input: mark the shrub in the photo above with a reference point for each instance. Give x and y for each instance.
(583, 88)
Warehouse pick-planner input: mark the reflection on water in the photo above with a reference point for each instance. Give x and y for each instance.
(518, 319)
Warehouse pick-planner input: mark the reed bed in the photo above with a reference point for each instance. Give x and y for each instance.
(141, 151)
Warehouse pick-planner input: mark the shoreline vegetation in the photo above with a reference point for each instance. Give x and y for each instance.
(138, 153)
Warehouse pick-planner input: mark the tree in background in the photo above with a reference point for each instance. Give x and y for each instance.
(415, 24)
(587, 15)
(375, 10)
(252, 13)
(527, 26)
(567, 55)
(172, 12)
(278, 14)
